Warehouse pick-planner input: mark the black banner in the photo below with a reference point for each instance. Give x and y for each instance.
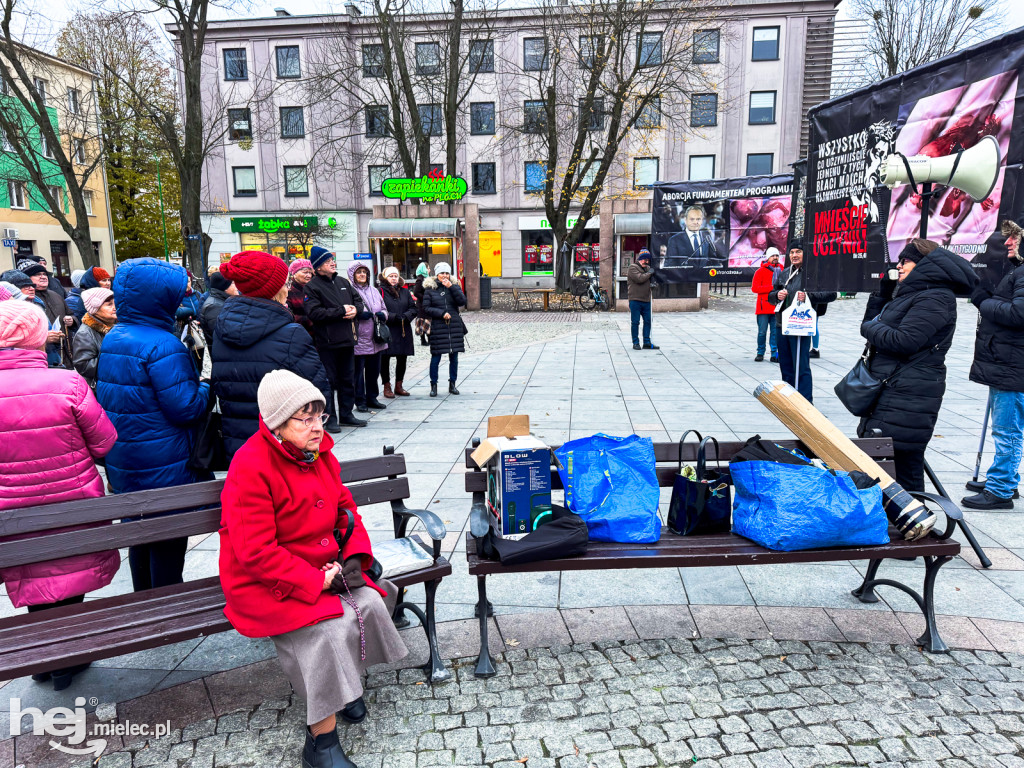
(718, 230)
(856, 227)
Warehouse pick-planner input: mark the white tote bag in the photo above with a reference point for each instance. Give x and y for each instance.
(799, 319)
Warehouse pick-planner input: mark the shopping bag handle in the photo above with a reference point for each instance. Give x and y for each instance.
(701, 457)
(681, 440)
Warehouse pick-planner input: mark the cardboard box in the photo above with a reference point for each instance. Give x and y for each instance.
(518, 469)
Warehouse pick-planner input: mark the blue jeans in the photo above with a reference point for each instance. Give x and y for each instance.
(788, 363)
(816, 336)
(637, 310)
(764, 323)
(453, 367)
(1008, 435)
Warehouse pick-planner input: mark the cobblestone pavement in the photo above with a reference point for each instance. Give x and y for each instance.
(719, 704)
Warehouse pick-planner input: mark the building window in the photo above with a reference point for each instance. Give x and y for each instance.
(535, 54)
(703, 110)
(55, 194)
(16, 193)
(296, 183)
(436, 170)
(245, 180)
(534, 116)
(766, 44)
(377, 121)
(590, 174)
(373, 60)
(288, 61)
(484, 179)
(706, 44)
(73, 101)
(431, 119)
(87, 199)
(481, 56)
(79, 145)
(47, 148)
(592, 118)
(650, 114)
(762, 107)
(645, 171)
(535, 176)
(591, 46)
(293, 123)
(239, 124)
(6, 141)
(378, 173)
(649, 50)
(39, 86)
(481, 118)
(702, 167)
(760, 164)
(428, 58)
(235, 65)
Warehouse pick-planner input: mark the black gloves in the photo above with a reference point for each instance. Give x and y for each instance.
(381, 315)
(887, 287)
(352, 570)
(365, 315)
(979, 295)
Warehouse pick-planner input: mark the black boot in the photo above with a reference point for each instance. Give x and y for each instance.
(354, 711)
(433, 389)
(62, 678)
(324, 751)
(332, 425)
(451, 388)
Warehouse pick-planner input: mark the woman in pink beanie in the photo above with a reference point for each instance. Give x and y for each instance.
(48, 455)
(300, 272)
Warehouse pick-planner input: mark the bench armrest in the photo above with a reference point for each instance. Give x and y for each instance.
(432, 524)
(949, 509)
(479, 517)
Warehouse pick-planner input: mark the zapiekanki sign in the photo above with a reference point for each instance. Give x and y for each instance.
(426, 188)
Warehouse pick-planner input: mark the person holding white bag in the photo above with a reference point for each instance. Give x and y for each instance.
(794, 351)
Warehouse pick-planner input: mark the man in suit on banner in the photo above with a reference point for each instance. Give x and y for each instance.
(693, 247)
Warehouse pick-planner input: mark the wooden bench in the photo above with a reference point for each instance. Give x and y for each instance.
(674, 551)
(105, 627)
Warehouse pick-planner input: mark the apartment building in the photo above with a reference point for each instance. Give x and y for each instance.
(26, 221)
(270, 185)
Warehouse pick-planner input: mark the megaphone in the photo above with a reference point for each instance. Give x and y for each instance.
(973, 170)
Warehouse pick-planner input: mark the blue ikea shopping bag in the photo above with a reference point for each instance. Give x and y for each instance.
(610, 482)
(789, 507)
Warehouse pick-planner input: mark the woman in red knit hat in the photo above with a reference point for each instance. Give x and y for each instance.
(255, 333)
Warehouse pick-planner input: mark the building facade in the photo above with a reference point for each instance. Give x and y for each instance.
(26, 221)
(270, 185)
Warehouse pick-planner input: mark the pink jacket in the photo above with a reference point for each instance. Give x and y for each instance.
(53, 430)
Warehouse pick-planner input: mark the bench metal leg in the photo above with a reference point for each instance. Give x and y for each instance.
(399, 618)
(865, 593)
(930, 640)
(434, 668)
(968, 533)
(484, 662)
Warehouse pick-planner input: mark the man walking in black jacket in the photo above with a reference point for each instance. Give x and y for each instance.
(999, 364)
(332, 306)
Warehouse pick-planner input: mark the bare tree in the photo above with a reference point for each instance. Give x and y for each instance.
(48, 120)
(596, 79)
(906, 33)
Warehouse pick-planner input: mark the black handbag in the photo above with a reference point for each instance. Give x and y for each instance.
(208, 452)
(702, 505)
(859, 389)
(565, 536)
(381, 332)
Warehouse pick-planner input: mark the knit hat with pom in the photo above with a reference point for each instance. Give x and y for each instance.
(22, 325)
(93, 298)
(256, 274)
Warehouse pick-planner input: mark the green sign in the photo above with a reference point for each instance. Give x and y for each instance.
(273, 224)
(428, 189)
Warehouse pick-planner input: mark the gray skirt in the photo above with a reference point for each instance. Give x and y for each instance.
(322, 661)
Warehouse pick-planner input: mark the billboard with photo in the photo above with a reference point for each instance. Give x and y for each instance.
(718, 230)
(855, 226)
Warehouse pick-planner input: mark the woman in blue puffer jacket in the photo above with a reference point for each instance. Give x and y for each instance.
(148, 386)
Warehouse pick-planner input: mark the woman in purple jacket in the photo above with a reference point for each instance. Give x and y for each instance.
(367, 351)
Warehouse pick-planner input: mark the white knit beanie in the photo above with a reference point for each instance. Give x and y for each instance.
(93, 298)
(281, 394)
(76, 277)
(442, 267)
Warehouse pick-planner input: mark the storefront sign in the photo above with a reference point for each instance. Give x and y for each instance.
(541, 222)
(447, 188)
(363, 256)
(273, 224)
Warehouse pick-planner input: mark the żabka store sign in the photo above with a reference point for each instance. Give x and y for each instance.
(428, 188)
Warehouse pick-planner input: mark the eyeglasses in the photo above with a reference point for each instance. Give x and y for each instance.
(310, 421)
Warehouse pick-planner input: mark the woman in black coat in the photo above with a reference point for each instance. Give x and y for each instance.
(909, 324)
(402, 310)
(442, 298)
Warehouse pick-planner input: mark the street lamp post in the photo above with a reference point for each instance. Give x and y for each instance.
(160, 188)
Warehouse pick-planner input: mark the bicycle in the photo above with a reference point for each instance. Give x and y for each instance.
(590, 295)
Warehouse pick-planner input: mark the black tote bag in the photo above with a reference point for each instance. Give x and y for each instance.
(703, 505)
(208, 452)
(859, 389)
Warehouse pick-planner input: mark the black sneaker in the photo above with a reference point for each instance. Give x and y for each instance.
(376, 404)
(759, 359)
(773, 359)
(352, 421)
(637, 346)
(814, 353)
(332, 426)
(651, 346)
(979, 485)
(362, 409)
(986, 500)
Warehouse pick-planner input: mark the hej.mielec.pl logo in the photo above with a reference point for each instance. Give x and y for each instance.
(70, 725)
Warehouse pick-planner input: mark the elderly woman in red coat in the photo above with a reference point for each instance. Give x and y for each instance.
(282, 573)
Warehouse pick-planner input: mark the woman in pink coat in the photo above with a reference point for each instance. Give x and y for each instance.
(54, 430)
